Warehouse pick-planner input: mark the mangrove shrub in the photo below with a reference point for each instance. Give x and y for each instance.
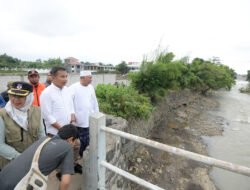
(155, 78)
(123, 101)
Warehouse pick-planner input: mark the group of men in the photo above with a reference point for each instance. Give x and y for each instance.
(62, 106)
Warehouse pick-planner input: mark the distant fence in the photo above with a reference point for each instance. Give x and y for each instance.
(95, 176)
(72, 78)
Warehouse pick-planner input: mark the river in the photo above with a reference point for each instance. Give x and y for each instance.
(234, 144)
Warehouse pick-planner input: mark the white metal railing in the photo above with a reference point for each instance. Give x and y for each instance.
(130, 176)
(95, 173)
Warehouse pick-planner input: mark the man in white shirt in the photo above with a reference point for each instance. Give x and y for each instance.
(57, 107)
(85, 103)
(56, 104)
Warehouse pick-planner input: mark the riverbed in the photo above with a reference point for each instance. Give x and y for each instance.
(218, 126)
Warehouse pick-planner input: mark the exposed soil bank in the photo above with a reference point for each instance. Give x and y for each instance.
(183, 127)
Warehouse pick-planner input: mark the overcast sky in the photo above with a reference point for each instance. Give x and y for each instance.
(111, 31)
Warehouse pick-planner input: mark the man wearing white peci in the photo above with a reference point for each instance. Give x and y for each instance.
(85, 103)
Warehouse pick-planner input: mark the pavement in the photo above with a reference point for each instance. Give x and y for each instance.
(76, 183)
(76, 179)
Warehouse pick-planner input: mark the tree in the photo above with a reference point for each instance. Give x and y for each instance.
(155, 79)
(122, 68)
(165, 57)
(52, 62)
(248, 75)
(212, 76)
(9, 62)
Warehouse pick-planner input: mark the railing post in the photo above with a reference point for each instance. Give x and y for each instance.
(93, 172)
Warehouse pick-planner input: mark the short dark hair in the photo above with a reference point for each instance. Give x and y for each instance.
(54, 70)
(68, 131)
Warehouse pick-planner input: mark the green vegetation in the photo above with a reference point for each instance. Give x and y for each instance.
(158, 77)
(247, 88)
(13, 64)
(122, 68)
(248, 76)
(9, 62)
(123, 101)
(154, 80)
(212, 76)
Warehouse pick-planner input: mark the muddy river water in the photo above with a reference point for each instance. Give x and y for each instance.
(234, 144)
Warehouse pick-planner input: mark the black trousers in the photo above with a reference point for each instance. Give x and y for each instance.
(84, 139)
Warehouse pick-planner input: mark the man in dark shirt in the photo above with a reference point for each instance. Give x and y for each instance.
(57, 153)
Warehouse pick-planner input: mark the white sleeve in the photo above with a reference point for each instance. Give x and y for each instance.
(94, 101)
(46, 108)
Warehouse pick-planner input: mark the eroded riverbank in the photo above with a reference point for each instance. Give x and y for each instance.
(181, 121)
(182, 128)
